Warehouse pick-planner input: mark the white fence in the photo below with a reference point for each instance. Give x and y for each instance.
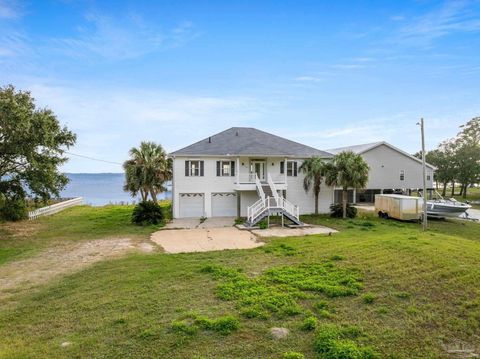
(55, 208)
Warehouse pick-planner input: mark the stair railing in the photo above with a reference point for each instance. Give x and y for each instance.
(259, 187)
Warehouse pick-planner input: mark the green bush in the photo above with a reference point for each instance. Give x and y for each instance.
(309, 323)
(336, 211)
(13, 210)
(147, 212)
(293, 355)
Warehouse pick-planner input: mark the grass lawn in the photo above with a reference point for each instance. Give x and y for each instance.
(379, 288)
(74, 224)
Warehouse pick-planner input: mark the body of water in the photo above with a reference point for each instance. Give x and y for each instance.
(99, 189)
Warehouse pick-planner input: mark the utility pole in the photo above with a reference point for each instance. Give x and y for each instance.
(424, 222)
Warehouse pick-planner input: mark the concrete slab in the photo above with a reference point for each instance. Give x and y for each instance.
(204, 240)
(217, 222)
(292, 232)
(183, 223)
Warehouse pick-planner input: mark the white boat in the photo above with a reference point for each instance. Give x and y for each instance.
(438, 207)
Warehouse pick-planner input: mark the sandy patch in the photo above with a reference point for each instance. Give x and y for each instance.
(204, 240)
(292, 232)
(62, 260)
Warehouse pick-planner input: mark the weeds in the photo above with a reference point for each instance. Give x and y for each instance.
(277, 290)
(341, 342)
(293, 355)
(193, 322)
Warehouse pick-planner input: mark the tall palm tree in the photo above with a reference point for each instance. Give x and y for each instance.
(314, 169)
(147, 170)
(347, 170)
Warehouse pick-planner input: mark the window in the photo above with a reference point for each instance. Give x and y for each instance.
(429, 176)
(402, 175)
(194, 168)
(292, 168)
(225, 168)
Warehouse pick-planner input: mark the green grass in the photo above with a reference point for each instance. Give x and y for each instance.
(74, 224)
(424, 288)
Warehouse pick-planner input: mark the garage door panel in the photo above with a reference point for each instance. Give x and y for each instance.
(191, 205)
(224, 204)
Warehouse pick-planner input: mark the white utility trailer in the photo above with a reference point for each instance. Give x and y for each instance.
(405, 208)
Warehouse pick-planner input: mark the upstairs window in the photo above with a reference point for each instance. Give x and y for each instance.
(292, 168)
(402, 175)
(225, 168)
(194, 168)
(429, 176)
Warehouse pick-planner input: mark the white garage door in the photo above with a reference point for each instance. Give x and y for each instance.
(224, 204)
(191, 205)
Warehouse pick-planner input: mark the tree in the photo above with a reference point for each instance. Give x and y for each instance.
(347, 170)
(147, 170)
(314, 170)
(32, 147)
(467, 145)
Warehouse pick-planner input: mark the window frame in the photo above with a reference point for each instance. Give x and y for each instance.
(293, 170)
(221, 166)
(194, 168)
(402, 175)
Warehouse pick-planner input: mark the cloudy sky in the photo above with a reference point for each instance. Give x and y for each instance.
(327, 74)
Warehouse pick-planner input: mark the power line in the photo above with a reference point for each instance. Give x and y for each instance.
(93, 159)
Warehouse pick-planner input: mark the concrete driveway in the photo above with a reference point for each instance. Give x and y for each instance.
(204, 239)
(192, 223)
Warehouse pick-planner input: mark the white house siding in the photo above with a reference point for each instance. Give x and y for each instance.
(385, 166)
(247, 199)
(297, 195)
(203, 184)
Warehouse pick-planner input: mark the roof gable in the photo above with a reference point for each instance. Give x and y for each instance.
(248, 141)
(360, 149)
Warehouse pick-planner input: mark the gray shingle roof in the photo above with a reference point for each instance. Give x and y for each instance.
(356, 148)
(248, 141)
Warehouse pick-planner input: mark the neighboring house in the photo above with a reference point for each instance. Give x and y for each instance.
(233, 172)
(390, 168)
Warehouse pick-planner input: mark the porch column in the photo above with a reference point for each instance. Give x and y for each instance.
(285, 170)
(239, 204)
(354, 196)
(238, 170)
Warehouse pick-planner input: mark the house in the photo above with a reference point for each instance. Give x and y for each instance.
(227, 173)
(390, 169)
(251, 173)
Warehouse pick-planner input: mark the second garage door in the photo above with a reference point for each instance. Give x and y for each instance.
(191, 205)
(224, 204)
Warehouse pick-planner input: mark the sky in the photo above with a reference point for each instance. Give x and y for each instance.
(324, 73)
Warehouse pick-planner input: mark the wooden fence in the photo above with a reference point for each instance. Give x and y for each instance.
(55, 208)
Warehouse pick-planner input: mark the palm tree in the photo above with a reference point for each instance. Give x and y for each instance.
(347, 170)
(147, 170)
(314, 169)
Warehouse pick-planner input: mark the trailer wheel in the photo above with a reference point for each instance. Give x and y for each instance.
(380, 214)
(385, 215)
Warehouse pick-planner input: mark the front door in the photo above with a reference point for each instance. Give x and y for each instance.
(258, 168)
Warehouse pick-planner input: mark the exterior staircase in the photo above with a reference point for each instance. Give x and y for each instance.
(271, 203)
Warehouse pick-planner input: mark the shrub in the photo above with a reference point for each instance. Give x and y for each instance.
(336, 211)
(309, 323)
(147, 212)
(263, 224)
(13, 209)
(239, 221)
(293, 355)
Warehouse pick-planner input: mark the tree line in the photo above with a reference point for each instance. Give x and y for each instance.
(458, 159)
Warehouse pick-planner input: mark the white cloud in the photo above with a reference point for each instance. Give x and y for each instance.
(109, 121)
(451, 17)
(9, 9)
(125, 38)
(309, 78)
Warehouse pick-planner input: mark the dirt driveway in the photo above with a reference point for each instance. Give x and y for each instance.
(24, 274)
(204, 239)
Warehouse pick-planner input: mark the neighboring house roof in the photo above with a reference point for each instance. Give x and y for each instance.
(249, 142)
(360, 149)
